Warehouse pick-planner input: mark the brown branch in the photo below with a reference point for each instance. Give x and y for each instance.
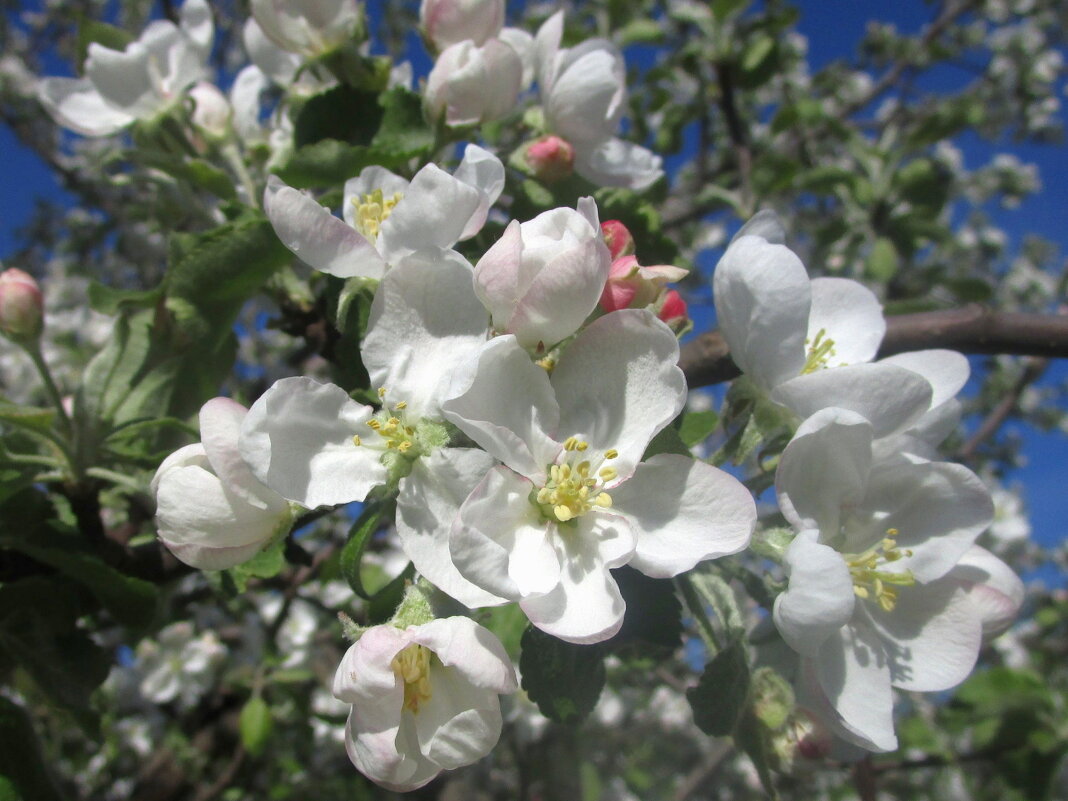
(970, 329)
(864, 780)
(1032, 371)
(735, 129)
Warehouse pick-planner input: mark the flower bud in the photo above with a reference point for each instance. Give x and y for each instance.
(447, 22)
(471, 84)
(21, 306)
(631, 286)
(550, 158)
(673, 309)
(211, 111)
(618, 238)
(542, 278)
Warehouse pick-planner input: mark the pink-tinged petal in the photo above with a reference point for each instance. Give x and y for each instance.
(509, 409)
(762, 298)
(471, 650)
(390, 757)
(823, 469)
(616, 162)
(366, 678)
(849, 314)
(317, 237)
(425, 325)
(484, 172)
(819, 598)
(459, 723)
(992, 587)
(427, 505)
(76, 104)
(618, 384)
(496, 530)
(499, 282)
(890, 397)
(931, 637)
(682, 512)
(946, 371)
(937, 508)
(432, 214)
(298, 440)
(586, 606)
(847, 685)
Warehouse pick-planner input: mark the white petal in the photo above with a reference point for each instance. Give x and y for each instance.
(823, 468)
(762, 298)
(850, 314)
(946, 371)
(523, 44)
(616, 162)
(297, 439)
(121, 76)
(459, 723)
(509, 409)
(471, 650)
(76, 104)
(197, 24)
(483, 171)
(277, 64)
(931, 637)
(220, 425)
(425, 325)
(586, 606)
(245, 93)
(618, 384)
(764, 224)
(432, 214)
(427, 506)
(683, 512)
(318, 237)
(588, 95)
(890, 397)
(819, 599)
(993, 588)
(847, 684)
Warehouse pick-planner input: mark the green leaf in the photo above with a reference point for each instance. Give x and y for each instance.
(641, 31)
(342, 113)
(255, 724)
(882, 261)
(724, 8)
(508, 623)
(717, 594)
(563, 679)
(721, 694)
(268, 563)
(384, 602)
(111, 301)
(654, 614)
(759, 61)
(198, 173)
(28, 417)
(23, 773)
(403, 131)
(666, 441)
(696, 427)
(375, 514)
(749, 736)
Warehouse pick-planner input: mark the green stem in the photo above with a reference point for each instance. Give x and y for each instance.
(233, 159)
(34, 350)
(697, 610)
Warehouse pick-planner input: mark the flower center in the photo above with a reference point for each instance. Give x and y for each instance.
(820, 350)
(869, 582)
(575, 485)
(396, 434)
(372, 210)
(412, 666)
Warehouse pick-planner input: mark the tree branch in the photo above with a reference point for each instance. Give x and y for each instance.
(1000, 413)
(970, 329)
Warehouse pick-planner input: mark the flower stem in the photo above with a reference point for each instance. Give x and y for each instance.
(233, 159)
(34, 351)
(700, 616)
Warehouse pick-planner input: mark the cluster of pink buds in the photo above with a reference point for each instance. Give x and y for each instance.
(633, 286)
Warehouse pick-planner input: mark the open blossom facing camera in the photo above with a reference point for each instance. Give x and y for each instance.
(138, 83)
(385, 216)
(425, 698)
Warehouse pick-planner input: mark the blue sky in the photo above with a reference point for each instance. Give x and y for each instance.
(833, 28)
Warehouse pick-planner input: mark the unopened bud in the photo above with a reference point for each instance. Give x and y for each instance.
(619, 240)
(211, 111)
(21, 306)
(673, 310)
(550, 158)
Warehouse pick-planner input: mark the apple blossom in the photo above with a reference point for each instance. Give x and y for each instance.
(21, 305)
(542, 278)
(472, 84)
(387, 217)
(211, 110)
(584, 95)
(141, 82)
(876, 596)
(211, 512)
(631, 286)
(673, 311)
(550, 158)
(447, 22)
(424, 699)
(309, 28)
(573, 498)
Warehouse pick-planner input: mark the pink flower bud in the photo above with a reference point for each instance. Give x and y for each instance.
(619, 240)
(21, 305)
(470, 84)
(673, 309)
(631, 286)
(550, 158)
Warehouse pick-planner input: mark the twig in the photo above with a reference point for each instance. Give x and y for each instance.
(1033, 370)
(736, 130)
(864, 780)
(226, 778)
(702, 772)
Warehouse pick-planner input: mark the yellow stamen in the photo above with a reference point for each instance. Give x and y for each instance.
(412, 666)
(819, 353)
(372, 210)
(871, 582)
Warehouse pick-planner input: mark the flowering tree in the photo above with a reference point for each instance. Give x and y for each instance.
(345, 412)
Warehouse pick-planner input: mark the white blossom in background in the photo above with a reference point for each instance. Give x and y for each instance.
(448, 22)
(573, 499)
(584, 96)
(141, 82)
(472, 84)
(386, 217)
(211, 512)
(424, 699)
(179, 664)
(309, 28)
(884, 590)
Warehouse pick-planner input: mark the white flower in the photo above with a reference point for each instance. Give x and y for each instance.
(138, 83)
(447, 22)
(472, 84)
(316, 446)
(542, 278)
(310, 28)
(424, 699)
(179, 664)
(211, 512)
(572, 500)
(809, 343)
(211, 110)
(584, 95)
(877, 597)
(386, 217)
